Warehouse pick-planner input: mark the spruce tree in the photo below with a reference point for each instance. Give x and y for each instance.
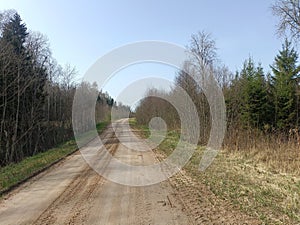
(286, 73)
(255, 102)
(15, 33)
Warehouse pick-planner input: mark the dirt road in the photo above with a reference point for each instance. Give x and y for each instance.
(71, 192)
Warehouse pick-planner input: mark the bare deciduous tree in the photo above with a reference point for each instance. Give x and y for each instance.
(288, 12)
(68, 76)
(203, 47)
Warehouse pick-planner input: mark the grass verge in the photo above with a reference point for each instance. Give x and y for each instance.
(16, 173)
(141, 129)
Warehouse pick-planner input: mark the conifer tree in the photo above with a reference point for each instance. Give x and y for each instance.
(286, 73)
(255, 106)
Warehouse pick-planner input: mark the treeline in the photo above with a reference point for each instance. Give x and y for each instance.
(257, 103)
(266, 101)
(36, 93)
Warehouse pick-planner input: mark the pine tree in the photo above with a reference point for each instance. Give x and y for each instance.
(285, 78)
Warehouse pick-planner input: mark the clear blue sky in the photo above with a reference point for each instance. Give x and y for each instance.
(81, 31)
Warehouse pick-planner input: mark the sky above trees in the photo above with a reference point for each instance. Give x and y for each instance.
(82, 31)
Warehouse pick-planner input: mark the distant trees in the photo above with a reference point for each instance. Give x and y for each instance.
(36, 94)
(155, 104)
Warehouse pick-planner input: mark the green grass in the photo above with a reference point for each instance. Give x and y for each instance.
(142, 129)
(14, 173)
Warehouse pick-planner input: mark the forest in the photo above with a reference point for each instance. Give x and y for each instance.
(36, 93)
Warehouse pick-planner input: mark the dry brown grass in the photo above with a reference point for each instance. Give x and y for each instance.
(279, 153)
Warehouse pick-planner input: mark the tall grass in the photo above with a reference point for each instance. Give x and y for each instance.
(279, 152)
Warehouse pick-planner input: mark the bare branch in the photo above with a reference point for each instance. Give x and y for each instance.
(288, 12)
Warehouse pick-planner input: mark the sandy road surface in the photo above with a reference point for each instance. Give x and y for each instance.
(73, 193)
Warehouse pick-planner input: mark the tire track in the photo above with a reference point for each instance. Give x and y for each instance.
(202, 204)
(73, 204)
